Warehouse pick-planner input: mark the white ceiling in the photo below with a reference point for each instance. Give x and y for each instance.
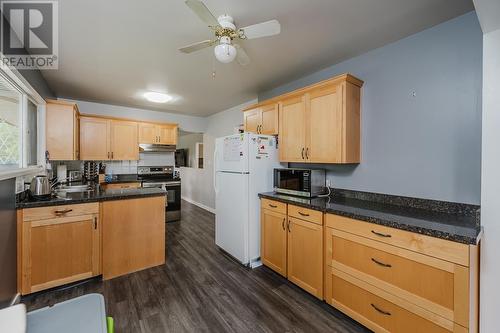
(111, 51)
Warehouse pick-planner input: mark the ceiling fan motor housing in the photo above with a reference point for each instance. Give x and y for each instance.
(226, 22)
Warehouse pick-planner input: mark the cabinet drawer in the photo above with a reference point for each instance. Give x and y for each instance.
(379, 311)
(43, 213)
(276, 206)
(425, 281)
(439, 248)
(311, 215)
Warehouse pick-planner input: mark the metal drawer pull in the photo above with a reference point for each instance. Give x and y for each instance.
(381, 263)
(302, 153)
(283, 223)
(303, 214)
(59, 212)
(380, 234)
(288, 226)
(273, 206)
(379, 310)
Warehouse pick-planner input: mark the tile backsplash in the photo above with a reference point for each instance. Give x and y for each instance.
(126, 167)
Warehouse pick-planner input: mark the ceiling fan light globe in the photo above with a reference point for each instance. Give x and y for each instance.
(225, 53)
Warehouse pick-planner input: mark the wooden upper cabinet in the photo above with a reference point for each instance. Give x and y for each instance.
(316, 124)
(269, 122)
(150, 133)
(147, 133)
(124, 141)
(107, 139)
(262, 120)
(167, 134)
(94, 139)
(252, 120)
(62, 132)
(292, 128)
(324, 130)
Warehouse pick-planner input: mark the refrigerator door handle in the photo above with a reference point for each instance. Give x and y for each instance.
(215, 172)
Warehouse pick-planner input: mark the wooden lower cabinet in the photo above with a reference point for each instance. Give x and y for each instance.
(305, 255)
(133, 235)
(273, 240)
(57, 245)
(387, 279)
(291, 246)
(406, 271)
(380, 311)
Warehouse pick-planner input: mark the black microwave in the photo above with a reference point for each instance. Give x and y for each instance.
(301, 182)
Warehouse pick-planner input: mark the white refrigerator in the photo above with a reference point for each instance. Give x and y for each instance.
(243, 167)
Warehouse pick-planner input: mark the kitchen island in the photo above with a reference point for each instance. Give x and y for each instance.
(75, 236)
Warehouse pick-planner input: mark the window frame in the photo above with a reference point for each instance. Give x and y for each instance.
(28, 93)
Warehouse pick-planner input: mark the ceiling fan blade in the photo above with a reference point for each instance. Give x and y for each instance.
(203, 12)
(241, 55)
(197, 46)
(263, 29)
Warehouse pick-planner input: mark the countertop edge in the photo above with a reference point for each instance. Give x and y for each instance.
(48, 203)
(385, 222)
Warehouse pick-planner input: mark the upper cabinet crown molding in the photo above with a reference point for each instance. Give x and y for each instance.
(319, 123)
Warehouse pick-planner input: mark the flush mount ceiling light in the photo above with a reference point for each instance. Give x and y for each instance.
(157, 97)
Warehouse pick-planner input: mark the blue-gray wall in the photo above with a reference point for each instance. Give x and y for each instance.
(427, 145)
(37, 81)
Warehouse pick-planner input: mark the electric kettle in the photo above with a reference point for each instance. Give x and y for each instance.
(40, 186)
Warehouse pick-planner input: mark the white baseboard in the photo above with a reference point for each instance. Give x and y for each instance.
(202, 206)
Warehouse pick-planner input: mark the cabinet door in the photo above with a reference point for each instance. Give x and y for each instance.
(147, 133)
(292, 130)
(167, 134)
(133, 235)
(252, 120)
(324, 131)
(273, 240)
(94, 138)
(270, 118)
(59, 251)
(124, 144)
(305, 255)
(60, 131)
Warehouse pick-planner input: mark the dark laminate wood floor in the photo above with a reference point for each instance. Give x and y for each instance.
(200, 289)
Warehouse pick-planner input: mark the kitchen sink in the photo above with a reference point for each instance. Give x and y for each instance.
(72, 188)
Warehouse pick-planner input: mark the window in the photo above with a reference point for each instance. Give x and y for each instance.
(19, 118)
(32, 134)
(10, 125)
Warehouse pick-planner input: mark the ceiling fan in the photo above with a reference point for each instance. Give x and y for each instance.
(225, 32)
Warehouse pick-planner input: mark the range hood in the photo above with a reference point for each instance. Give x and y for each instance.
(156, 148)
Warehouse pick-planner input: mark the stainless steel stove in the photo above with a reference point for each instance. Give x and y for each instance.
(163, 177)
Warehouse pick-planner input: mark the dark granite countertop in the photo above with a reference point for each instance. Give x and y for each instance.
(455, 222)
(96, 194)
(125, 178)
